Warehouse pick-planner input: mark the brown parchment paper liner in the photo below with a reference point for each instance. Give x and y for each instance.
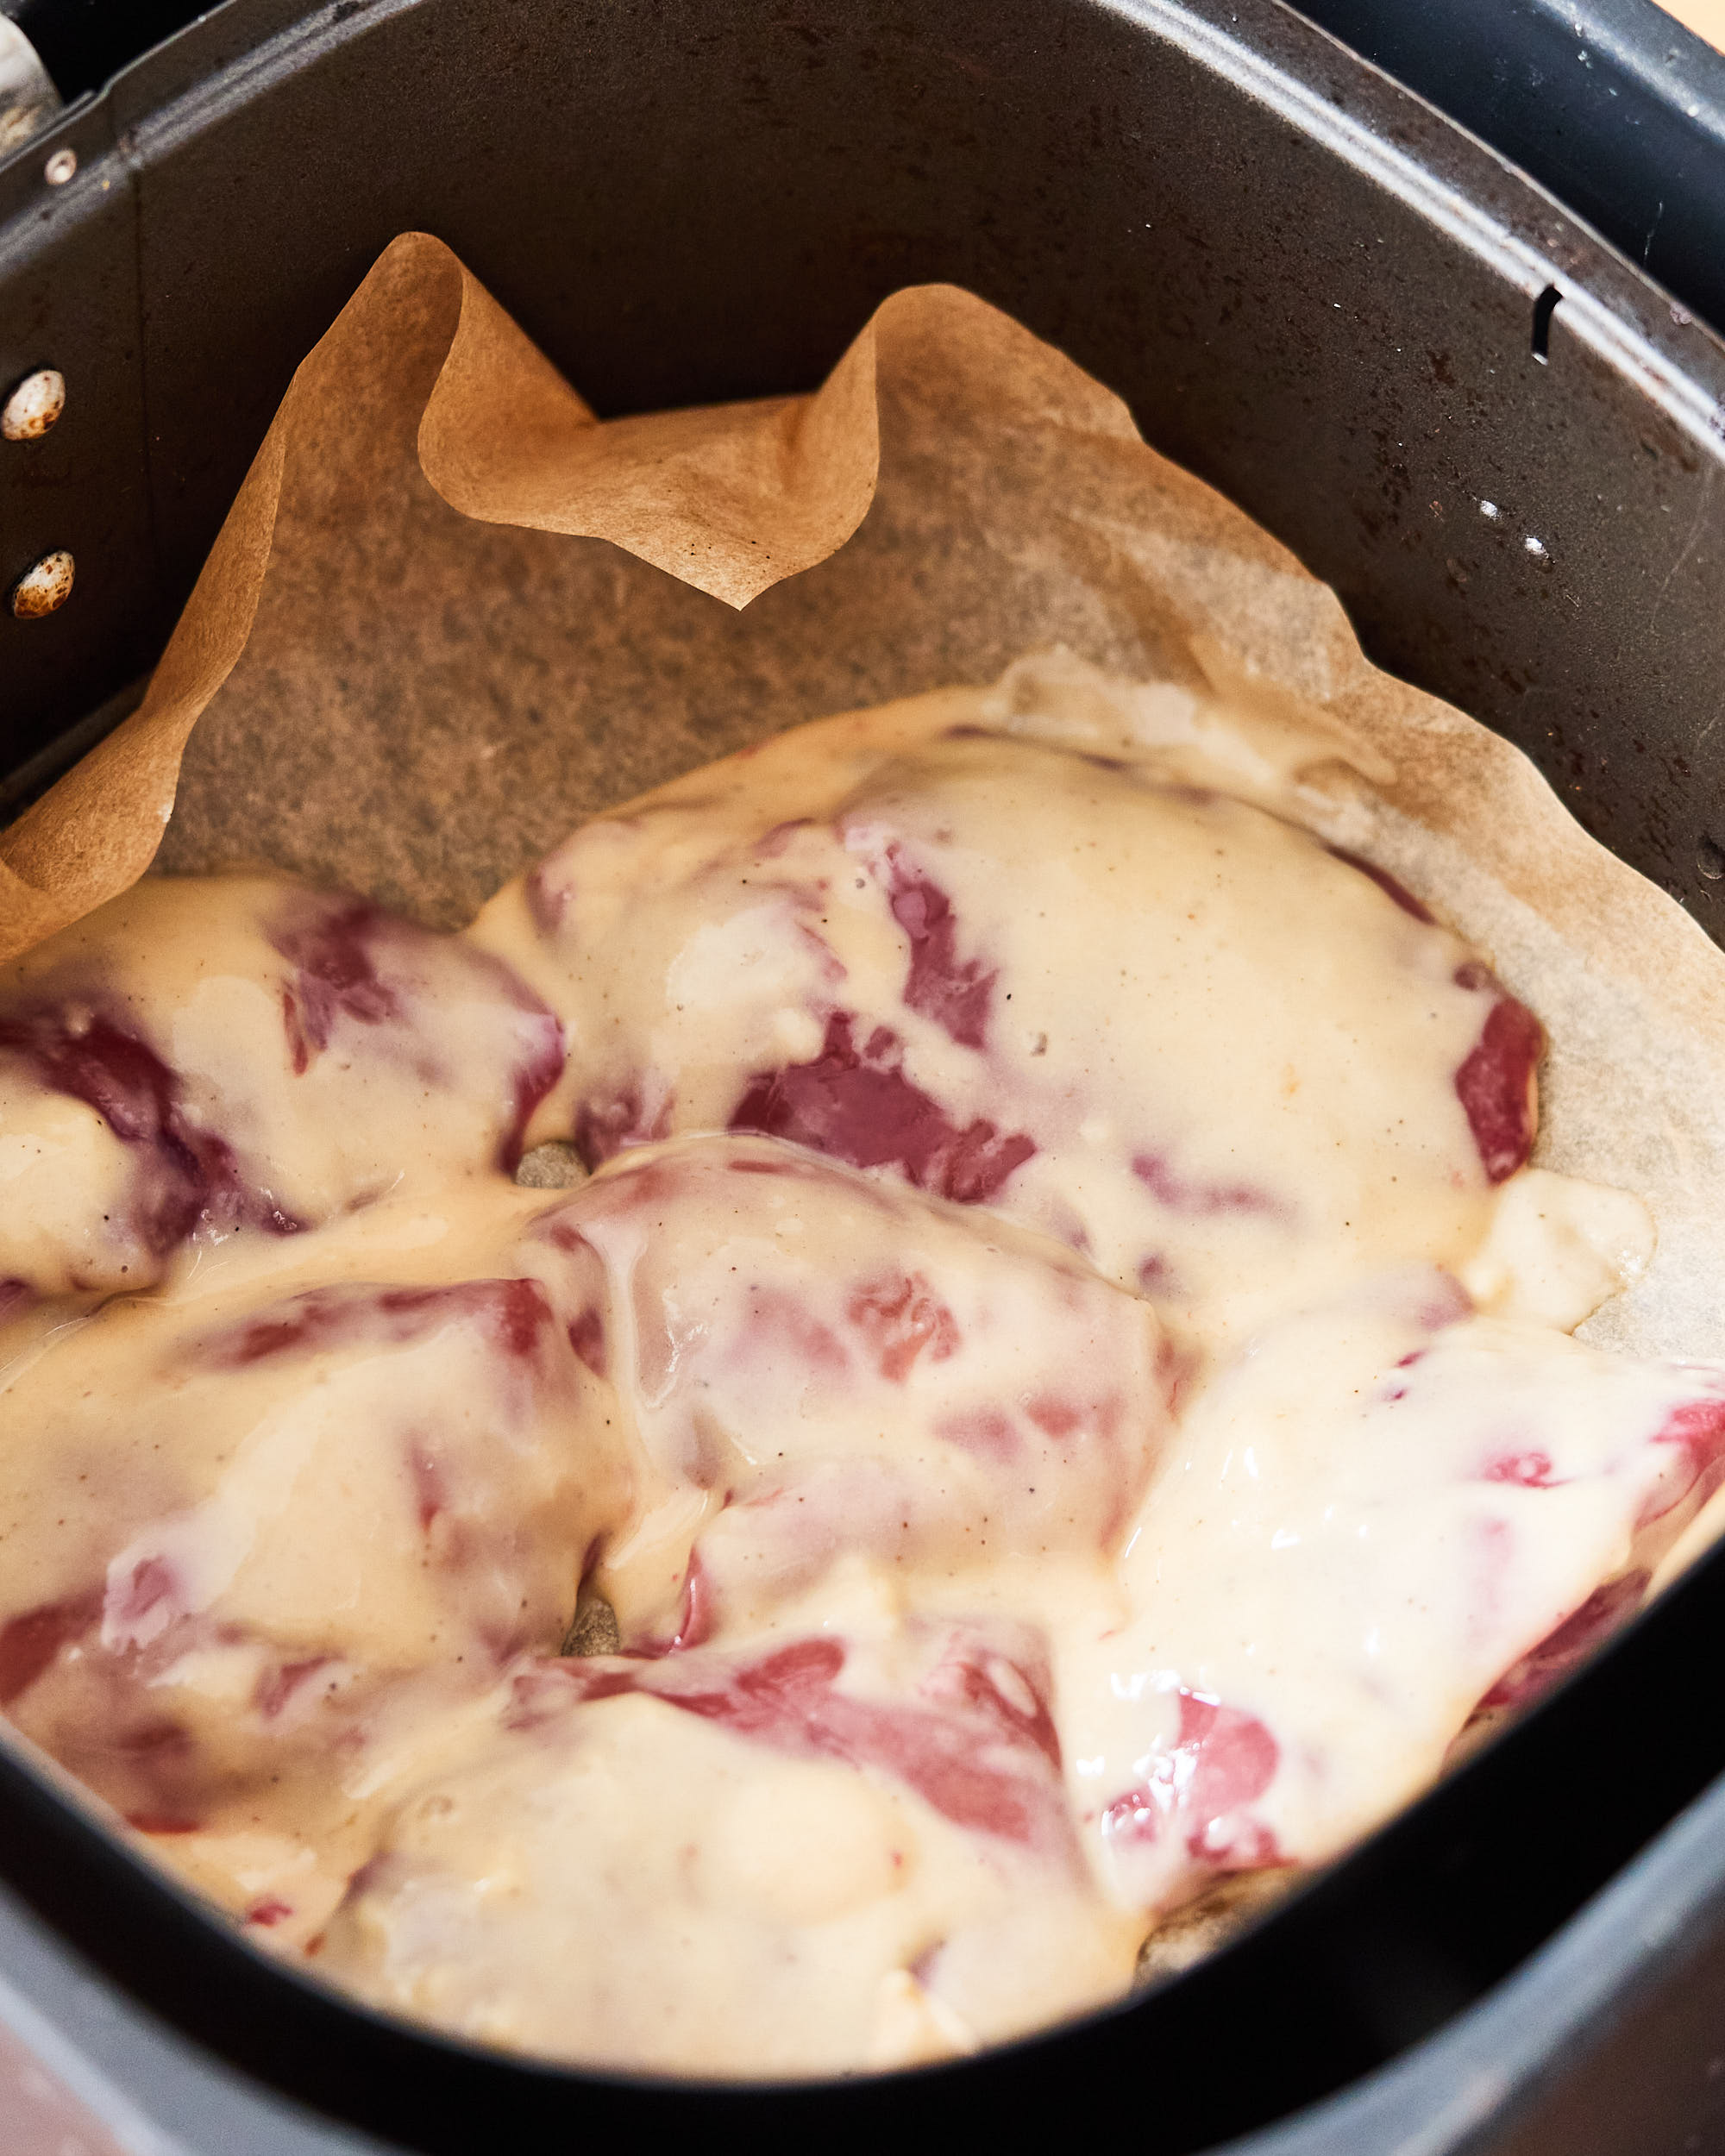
(451, 614)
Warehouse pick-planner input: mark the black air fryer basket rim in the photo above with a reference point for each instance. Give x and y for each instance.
(356, 2066)
(1613, 105)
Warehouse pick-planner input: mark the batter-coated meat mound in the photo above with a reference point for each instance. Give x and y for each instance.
(1047, 1389)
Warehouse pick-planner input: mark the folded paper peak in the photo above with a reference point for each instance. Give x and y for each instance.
(730, 500)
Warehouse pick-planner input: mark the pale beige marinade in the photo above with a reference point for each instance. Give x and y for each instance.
(1059, 1372)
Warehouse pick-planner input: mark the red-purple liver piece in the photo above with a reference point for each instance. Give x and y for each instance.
(1173, 1030)
(956, 992)
(181, 1175)
(973, 1734)
(257, 1055)
(856, 1105)
(1390, 1515)
(437, 1450)
(435, 1005)
(1200, 1789)
(1496, 1083)
(851, 1369)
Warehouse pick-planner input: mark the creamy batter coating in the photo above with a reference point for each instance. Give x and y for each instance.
(815, 1368)
(1392, 1511)
(233, 1524)
(202, 1057)
(1059, 1373)
(1149, 1019)
(825, 1854)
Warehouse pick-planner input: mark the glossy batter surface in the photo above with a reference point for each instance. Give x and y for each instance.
(1147, 1017)
(1050, 1390)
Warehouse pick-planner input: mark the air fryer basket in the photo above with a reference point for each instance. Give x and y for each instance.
(1390, 349)
(1610, 103)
